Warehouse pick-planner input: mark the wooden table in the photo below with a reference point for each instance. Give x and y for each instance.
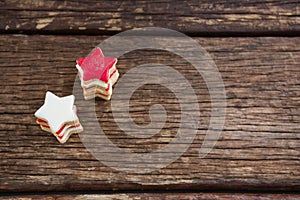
(254, 44)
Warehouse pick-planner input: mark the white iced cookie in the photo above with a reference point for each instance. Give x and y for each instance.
(58, 116)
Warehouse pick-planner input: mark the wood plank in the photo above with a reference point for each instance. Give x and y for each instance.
(258, 149)
(193, 17)
(159, 196)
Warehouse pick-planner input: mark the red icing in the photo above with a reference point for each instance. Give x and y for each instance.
(113, 73)
(60, 137)
(96, 66)
(107, 87)
(41, 121)
(60, 130)
(45, 126)
(80, 61)
(106, 95)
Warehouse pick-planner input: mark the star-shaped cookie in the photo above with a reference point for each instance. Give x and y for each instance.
(57, 111)
(97, 74)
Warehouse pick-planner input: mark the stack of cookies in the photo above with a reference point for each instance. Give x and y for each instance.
(58, 116)
(97, 75)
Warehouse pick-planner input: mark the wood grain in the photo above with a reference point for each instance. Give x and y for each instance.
(258, 149)
(192, 17)
(155, 196)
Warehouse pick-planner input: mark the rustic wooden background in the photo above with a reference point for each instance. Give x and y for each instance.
(256, 47)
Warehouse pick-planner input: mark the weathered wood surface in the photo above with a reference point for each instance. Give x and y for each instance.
(159, 196)
(194, 17)
(258, 150)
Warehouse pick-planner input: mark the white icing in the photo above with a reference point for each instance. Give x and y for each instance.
(94, 82)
